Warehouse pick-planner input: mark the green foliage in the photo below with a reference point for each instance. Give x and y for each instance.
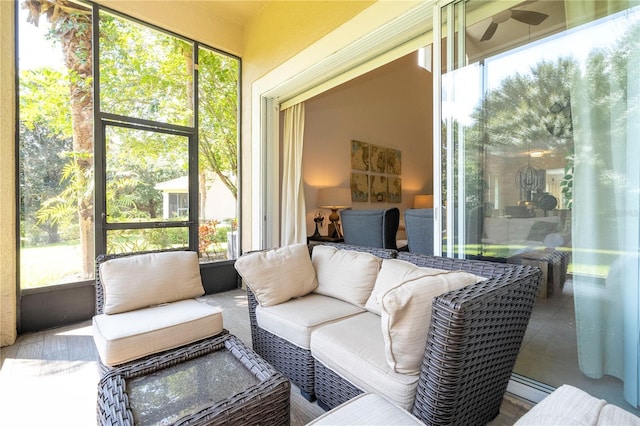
(219, 110)
(566, 185)
(45, 102)
(144, 73)
(77, 183)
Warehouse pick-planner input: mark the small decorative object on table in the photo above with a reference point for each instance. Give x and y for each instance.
(318, 219)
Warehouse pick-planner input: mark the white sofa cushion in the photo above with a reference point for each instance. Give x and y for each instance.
(278, 275)
(613, 415)
(393, 273)
(295, 320)
(140, 281)
(406, 316)
(567, 405)
(354, 349)
(367, 409)
(345, 274)
(131, 335)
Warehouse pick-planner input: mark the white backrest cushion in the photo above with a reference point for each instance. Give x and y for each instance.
(347, 275)
(406, 316)
(143, 280)
(275, 276)
(393, 273)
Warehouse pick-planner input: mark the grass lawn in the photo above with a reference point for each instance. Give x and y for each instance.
(49, 265)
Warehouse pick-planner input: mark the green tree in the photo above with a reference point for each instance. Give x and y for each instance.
(71, 27)
(218, 95)
(45, 137)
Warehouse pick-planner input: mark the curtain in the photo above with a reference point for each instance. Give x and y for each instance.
(293, 224)
(605, 108)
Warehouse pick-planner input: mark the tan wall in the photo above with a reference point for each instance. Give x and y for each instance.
(187, 18)
(7, 177)
(390, 107)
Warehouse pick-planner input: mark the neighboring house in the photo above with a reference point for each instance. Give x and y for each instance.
(217, 203)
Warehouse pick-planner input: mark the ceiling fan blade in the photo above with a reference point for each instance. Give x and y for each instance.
(529, 16)
(490, 31)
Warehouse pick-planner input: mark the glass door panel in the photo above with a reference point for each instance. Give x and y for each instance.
(541, 144)
(147, 189)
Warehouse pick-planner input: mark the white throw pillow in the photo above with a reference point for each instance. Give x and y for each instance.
(406, 316)
(347, 275)
(143, 280)
(278, 275)
(393, 273)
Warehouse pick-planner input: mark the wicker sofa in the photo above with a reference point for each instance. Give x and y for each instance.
(466, 357)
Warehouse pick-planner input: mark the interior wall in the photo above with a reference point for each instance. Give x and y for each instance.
(390, 107)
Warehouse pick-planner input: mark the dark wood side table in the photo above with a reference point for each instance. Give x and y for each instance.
(324, 239)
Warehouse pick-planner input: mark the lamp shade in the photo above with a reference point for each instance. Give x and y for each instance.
(423, 202)
(334, 198)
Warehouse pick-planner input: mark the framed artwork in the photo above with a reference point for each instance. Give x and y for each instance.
(378, 159)
(375, 173)
(378, 189)
(394, 161)
(359, 187)
(394, 194)
(359, 155)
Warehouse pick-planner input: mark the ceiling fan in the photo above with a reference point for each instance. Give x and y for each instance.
(528, 17)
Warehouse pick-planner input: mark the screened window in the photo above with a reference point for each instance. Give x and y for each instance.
(113, 157)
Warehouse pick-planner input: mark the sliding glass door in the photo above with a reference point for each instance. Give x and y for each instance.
(540, 142)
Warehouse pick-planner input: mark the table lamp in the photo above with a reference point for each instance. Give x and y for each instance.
(334, 199)
(423, 201)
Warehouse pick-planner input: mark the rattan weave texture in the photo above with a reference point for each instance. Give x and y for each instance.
(266, 403)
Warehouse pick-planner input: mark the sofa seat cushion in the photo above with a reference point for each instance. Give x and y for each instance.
(345, 274)
(278, 275)
(566, 405)
(354, 349)
(614, 415)
(367, 409)
(131, 335)
(295, 320)
(140, 281)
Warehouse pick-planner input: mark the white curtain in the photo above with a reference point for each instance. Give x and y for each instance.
(605, 107)
(293, 224)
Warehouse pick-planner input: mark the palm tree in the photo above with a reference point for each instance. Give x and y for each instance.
(71, 26)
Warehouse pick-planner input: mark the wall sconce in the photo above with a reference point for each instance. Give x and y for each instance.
(423, 201)
(334, 199)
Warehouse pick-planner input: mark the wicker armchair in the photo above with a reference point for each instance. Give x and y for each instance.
(131, 326)
(474, 339)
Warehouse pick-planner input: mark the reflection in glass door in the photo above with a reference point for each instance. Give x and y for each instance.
(540, 144)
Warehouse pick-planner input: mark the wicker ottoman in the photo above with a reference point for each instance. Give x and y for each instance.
(217, 381)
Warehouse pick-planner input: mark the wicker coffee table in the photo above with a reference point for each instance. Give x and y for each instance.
(217, 381)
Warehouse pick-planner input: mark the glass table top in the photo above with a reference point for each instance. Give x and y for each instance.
(165, 396)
